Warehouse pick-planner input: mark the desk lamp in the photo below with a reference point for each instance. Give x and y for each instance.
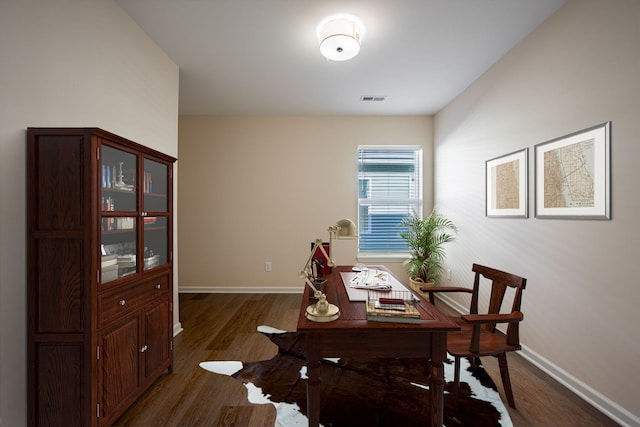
(323, 311)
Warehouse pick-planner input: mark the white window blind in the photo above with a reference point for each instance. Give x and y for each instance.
(389, 190)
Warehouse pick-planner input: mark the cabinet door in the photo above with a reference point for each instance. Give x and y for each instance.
(119, 362)
(157, 338)
(155, 212)
(119, 212)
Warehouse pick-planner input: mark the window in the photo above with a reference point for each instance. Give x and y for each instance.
(389, 190)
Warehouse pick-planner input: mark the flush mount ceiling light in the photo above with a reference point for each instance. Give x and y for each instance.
(340, 37)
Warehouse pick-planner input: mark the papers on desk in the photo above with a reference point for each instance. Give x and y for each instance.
(360, 293)
(371, 279)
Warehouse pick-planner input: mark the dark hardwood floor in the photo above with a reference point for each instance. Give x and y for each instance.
(223, 327)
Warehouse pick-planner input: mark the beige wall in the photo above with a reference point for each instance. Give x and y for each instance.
(579, 69)
(257, 189)
(66, 63)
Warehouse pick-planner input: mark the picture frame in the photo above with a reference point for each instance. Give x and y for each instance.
(507, 184)
(573, 175)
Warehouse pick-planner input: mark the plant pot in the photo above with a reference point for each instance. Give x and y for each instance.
(417, 283)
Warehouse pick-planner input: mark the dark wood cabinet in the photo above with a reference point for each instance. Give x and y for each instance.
(99, 277)
(156, 340)
(119, 369)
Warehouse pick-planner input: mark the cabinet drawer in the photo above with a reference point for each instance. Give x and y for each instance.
(114, 304)
(155, 287)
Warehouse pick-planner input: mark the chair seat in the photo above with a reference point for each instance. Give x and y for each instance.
(491, 344)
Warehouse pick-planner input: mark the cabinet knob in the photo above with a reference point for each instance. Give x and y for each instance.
(158, 285)
(122, 302)
(143, 349)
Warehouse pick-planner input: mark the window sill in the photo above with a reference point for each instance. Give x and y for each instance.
(381, 258)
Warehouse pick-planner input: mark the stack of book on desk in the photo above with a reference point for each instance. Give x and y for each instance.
(394, 306)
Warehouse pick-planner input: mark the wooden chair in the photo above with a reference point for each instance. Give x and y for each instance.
(479, 336)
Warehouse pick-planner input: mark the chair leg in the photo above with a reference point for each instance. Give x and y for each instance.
(506, 381)
(456, 381)
(475, 362)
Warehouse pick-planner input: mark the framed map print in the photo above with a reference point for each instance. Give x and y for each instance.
(573, 175)
(506, 181)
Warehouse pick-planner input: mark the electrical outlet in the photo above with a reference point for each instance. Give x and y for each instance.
(448, 274)
(267, 266)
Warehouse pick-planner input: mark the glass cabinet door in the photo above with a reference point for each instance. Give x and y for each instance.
(155, 187)
(156, 241)
(118, 213)
(155, 213)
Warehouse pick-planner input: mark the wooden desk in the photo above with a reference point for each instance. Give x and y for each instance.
(351, 335)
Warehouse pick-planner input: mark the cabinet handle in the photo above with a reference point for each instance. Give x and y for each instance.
(122, 302)
(143, 349)
(158, 285)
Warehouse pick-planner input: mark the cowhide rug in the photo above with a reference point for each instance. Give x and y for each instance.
(373, 392)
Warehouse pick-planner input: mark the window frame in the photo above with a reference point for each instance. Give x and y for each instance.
(410, 203)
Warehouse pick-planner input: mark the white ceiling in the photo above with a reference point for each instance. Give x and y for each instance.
(261, 57)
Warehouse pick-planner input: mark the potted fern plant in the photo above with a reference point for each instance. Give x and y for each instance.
(426, 238)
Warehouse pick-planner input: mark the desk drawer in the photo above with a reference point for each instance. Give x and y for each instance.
(114, 304)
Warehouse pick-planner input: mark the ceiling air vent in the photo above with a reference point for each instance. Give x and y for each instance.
(370, 98)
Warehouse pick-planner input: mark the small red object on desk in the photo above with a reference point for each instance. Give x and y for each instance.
(393, 301)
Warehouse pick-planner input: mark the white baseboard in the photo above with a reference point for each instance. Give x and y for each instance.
(240, 290)
(590, 395)
(596, 399)
(177, 328)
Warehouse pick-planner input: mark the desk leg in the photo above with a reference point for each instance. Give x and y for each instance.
(313, 382)
(436, 377)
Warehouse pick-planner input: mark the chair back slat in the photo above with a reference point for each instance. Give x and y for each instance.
(500, 282)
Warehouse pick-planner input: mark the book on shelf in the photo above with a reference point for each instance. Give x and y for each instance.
(147, 184)
(124, 187)
(108, 260)
(394, 306)
(126, 261)
(127, 223)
